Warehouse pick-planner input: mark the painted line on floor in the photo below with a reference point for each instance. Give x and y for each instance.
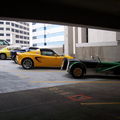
(32, 71)
(101, 103)
(75, 81)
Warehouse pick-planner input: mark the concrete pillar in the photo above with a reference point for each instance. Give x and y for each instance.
(68, 47)
(118, 37)
(71, 38)
(84, 36)
(75, 39)
(72, 34)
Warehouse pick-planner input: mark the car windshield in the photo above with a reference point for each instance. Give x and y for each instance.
(3, 42)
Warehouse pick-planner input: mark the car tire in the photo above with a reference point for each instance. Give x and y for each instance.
(77, 71)
(3, 56)
(27, 63)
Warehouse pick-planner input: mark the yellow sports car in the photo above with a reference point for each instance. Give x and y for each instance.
(40, 58)
(5, 52)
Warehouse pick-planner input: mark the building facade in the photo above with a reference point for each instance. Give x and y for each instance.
(86, 42)
(15, 32)
(47, 35)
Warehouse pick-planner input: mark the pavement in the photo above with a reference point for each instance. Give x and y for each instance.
(82, 101)
(56, 96)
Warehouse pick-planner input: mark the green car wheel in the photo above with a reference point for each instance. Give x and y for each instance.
(77, 72)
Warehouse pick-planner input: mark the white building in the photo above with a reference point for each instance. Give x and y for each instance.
(15, 32)
(47, 35)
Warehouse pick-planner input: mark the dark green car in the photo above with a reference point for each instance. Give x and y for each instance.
(78, 68)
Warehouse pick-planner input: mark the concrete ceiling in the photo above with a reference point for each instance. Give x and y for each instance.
(103, 14)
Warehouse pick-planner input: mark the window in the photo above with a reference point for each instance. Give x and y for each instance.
(17, 31)
(7, 23)
(21, 27)
(21, 37)
(1, 34)
(7, 34)
(33, 23)
(34, 30)
(25, 33)
(34, 37)
(8, 29)
(13, 30)
(16, 25)
(8, 40)
(1, 28)
(44, 36)
(25, 42)
(17, 41)
(44, 28)
(1, 22)
(25, 37)
(34, 44)
(47, 52)
(12, 24)
(21, 32)
(21, 41)
(17, 36)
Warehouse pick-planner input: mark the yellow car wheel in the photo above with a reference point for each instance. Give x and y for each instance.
(27, 63)
(3, 56)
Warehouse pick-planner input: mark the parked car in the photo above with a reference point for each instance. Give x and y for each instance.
(78, 68)
(5, 52)
(3, 43)
(40, 58)
(24, 49)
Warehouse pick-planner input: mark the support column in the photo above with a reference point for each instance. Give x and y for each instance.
(118, 37)
(75, 39)
(68, 47)
(84, 35)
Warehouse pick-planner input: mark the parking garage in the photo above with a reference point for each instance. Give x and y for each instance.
(52, 94)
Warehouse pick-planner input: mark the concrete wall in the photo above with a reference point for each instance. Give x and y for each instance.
(105, 53)
(95, 35)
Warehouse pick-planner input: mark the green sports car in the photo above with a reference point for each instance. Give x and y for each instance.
(78, 68)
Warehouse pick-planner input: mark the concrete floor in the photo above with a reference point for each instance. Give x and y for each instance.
(51, 94)
(14, 78)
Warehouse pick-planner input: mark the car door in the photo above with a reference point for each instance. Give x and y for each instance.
(49, 58)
